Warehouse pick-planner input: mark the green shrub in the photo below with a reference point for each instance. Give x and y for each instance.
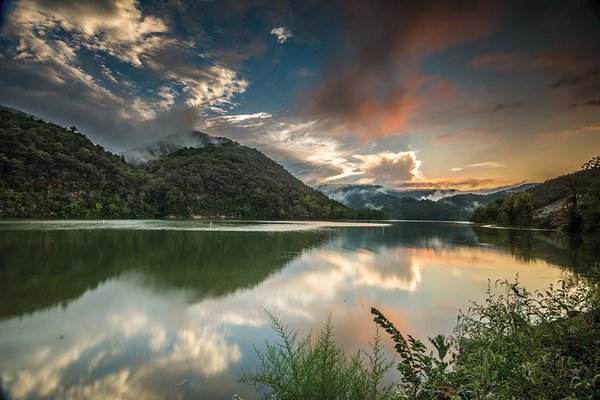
(294, 368)
(516, 345)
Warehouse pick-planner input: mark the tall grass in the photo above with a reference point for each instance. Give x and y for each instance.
(303, 368)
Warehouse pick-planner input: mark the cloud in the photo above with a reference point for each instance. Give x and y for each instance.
(507, 62)
(312, 155)
(373, 84)
(142, 82)
(115, 27)
(282, 33)
(580, 130)
(485, 164)
(240, 120)
(579, 68)
(211, 88)
(507, 106)
(590, 103)
(317, 158)
(468, 134)
(313, 152)
(168, 95)
(389, 167)
(586, 76)
(445, 184)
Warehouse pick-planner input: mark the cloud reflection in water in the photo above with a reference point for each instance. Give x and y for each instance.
(131, 338)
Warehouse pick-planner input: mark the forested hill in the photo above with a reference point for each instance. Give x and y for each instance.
(237, 181)
(569, 202)
(47, 171)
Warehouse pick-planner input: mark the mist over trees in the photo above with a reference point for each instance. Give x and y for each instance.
(47, 171)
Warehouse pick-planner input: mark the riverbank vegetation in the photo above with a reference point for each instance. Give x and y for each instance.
(516, 344)
(570, 203)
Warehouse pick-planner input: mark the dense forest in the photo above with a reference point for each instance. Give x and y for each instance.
(569, 202)
(47, 171)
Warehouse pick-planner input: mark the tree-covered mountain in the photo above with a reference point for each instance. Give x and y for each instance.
(238, 182)
(47, 171)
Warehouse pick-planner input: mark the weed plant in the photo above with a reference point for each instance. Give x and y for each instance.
(303, 368)
(515, 345)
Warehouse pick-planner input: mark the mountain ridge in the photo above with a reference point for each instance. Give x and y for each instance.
(417, 204)
(47, 171)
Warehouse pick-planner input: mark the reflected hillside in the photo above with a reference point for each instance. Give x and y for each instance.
(410, 234)
(39, 269)
(524, 245)
(554, 248)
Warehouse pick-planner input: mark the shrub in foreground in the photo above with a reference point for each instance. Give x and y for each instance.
(303, 368)
(516, 345)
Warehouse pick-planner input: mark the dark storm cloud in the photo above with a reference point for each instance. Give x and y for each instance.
(589, 103)
(593, 103)
(507, 106)
(374, 82)
(591, 75)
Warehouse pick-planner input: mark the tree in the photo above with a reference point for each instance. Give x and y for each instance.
(589, 203)
(591, 164)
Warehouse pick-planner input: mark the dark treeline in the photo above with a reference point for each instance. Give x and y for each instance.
(47, 171)
(516, 210)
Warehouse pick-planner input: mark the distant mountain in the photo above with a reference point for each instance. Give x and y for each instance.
(429, 204)
(47, 171)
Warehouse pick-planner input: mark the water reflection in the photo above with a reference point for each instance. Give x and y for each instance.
(117, 341)
(45, 268)
(174, 314)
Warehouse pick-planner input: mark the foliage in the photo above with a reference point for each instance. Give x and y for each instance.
(516, 210)
(303, 368)
(569, 202)
(420, 372)
(589, 203)
(412, 209)
(47, 171)
(516, 345)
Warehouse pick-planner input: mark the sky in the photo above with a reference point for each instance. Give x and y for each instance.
(437, 94)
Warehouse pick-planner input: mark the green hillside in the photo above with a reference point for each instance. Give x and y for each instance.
(52, 172)
(569, 202)
(238, 182)
(47, 171)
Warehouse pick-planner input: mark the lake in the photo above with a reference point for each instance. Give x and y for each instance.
(173, 309)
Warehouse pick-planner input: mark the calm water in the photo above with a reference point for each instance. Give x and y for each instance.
(161, 309)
